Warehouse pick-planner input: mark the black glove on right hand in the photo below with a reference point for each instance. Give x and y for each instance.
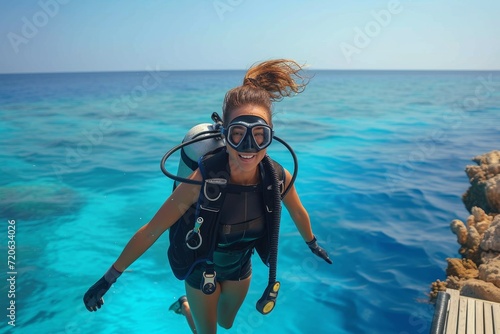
(93, 297)
(316, 249)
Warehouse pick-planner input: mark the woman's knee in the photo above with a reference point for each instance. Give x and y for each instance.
(226, 323)
(185, 309)
(203, 309)
(232, 296)
(226, 316)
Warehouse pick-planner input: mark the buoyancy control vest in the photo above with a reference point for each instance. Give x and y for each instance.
(193, 238)
(190, 246)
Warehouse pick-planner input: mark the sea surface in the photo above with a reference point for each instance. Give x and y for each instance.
(381, 172)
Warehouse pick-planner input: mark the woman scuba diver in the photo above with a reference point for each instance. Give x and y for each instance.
(226, 209)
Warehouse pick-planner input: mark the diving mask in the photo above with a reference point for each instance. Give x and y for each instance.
(248, 134)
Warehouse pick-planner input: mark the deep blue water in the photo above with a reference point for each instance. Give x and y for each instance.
(382, 158)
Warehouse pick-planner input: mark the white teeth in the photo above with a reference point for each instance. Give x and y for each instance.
(246, 156)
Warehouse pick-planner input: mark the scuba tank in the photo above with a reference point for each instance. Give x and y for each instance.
(190, 154)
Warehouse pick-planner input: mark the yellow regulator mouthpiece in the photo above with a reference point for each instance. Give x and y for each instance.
(268, 300)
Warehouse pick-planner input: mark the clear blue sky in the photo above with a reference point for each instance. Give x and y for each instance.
(91, 35)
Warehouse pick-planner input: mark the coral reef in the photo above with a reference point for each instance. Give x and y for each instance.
(477, 273)
(39, 201)
(485, 183)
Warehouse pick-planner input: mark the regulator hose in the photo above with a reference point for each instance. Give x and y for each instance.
(174, 149)
(268, 300)
(275, 228)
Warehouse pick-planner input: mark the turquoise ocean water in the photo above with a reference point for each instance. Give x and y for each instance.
(382, 158)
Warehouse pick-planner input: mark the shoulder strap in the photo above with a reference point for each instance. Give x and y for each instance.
(194, 236)
(281, 175)
(215, 176)
(214, 165)
(211, 197)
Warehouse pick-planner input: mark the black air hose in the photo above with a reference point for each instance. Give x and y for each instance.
(274, 229)
(267, 302)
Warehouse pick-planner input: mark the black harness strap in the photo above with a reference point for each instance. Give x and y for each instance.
(209, 204)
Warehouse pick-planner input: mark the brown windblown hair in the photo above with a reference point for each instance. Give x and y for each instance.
(265, 83)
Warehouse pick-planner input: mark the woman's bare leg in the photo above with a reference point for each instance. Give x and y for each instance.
(203, 309)
(186, 311)
(232, 295)
(203, 312)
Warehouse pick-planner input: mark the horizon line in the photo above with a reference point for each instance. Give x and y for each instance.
(228, 70)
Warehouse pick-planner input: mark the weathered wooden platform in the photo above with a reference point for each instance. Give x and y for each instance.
(455, 314)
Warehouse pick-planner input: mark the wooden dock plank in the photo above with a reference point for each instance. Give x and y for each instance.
(479, 328)
(488, 318)
(462, 315)
(452, 321)
(495, 308)
(471, 315)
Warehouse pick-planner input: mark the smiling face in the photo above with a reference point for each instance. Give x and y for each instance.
(243, 163)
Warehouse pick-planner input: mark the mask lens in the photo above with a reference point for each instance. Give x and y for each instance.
(261, 135)
(236, 134)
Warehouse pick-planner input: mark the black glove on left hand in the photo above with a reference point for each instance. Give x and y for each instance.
(93, 297)
(316, 249)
